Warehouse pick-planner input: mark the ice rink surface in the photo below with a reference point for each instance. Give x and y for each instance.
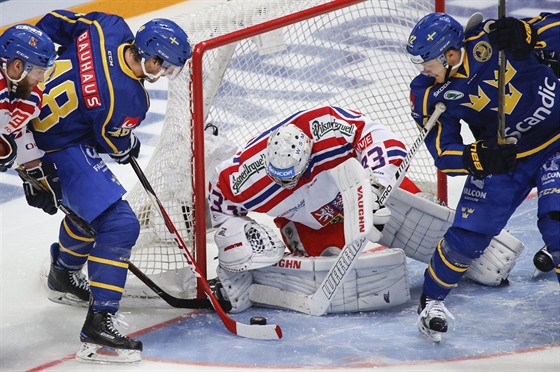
(509, 328)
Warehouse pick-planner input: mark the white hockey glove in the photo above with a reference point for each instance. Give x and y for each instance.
(244, 244)
(381, 214)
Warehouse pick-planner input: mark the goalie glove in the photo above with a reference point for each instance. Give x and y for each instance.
(381, 214)
(49, 200)
(483, 158)
(9, 145)
(243, 244)
(513, 35)
(133, 150)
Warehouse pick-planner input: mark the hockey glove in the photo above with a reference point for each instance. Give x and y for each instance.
(9, 147)
(123, 157)
(49, 200)
(381, 214)
(551, 59)
(513, 35)
(483, 158)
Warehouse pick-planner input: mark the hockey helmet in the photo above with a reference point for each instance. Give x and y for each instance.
(165, 39)
(432, 36)
(287, 155)
(30, 45)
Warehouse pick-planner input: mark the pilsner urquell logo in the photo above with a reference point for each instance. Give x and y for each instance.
(247, 171)
(320, 128)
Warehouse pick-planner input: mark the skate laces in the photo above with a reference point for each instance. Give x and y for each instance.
(112, 319)
(435, 309)
(78, 279)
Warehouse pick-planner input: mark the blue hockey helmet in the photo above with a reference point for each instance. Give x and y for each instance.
(432, 36)
(165, 39)
(29, 44)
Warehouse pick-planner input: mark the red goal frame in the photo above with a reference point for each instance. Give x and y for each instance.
(197, 109)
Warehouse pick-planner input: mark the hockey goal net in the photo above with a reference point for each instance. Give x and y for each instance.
(255, 62)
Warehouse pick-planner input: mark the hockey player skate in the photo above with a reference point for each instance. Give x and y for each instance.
(103, 343)
(432, 319)
(69, 287)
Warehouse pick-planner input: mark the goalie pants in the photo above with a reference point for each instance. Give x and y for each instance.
(483, 211)
(90, 189)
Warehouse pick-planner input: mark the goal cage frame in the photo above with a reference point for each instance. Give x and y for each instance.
(190, 109)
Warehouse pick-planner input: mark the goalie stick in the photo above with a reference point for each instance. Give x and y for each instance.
(318, 302)
(262, 332)
(181, 303)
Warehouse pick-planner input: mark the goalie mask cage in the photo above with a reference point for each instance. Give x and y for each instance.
(254, 63)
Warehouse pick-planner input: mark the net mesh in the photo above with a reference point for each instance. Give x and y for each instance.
(353, 57)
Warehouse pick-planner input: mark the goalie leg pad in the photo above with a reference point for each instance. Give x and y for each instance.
(497, 260)
(243, 244)
(378, 281)
(236, 288)
(416, 224)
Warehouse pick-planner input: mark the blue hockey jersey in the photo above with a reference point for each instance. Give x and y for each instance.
(532, 99)
(93, 98)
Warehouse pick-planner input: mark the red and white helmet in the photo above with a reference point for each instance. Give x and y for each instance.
(287, 155)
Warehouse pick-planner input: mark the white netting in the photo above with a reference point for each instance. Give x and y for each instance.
(353, 57)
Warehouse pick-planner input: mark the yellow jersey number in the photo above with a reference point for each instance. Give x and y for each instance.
(64, 92)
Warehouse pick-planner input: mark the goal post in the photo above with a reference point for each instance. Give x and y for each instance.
(254, 63)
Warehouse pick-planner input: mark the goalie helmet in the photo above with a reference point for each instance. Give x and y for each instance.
(29, 44)
(287, 155)
(432, 36)
(165, 39)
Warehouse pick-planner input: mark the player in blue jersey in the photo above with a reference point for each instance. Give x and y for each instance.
(460, 68)
(94, 100)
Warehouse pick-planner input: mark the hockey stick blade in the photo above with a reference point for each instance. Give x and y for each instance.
(261, 332)
(88, 229)
(180, 303)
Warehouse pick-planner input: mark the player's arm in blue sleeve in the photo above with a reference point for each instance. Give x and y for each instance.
(113, 129)
(547, 49)
(444, 142)
(64, 26)
(547, 26)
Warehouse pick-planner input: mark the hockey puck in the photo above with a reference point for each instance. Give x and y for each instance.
(258, 320)
(543, 260)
